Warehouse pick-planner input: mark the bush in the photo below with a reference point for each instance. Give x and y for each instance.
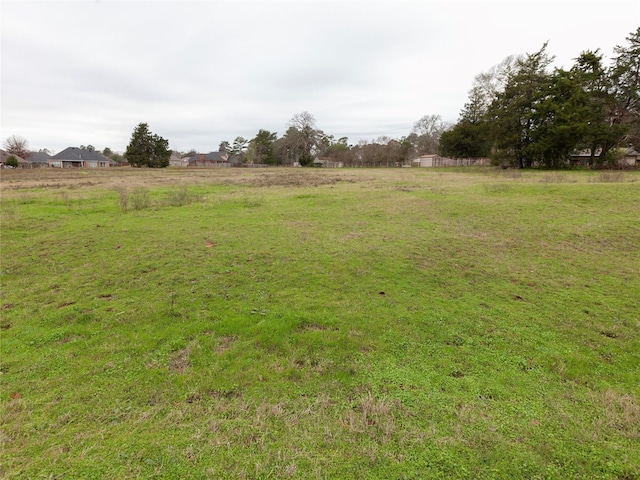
(140, 198)
(610, 177)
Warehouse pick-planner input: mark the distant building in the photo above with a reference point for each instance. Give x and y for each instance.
(212, 159)
(434, 160)
(327, 162)
(22, 163)
(39, 159)
(631, 157)
(74, 157)
(177, 161)
(628, 157)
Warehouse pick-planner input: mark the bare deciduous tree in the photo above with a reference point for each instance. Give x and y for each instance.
(426, 133)
(305, 124)
(17, 145)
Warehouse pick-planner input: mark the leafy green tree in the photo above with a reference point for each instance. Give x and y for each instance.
(107, 152)
(592, 78)
(261, 147)
(332, 147)
(291, 147)
(559, 119)
(338, 150)
(471, 136)
(587, 106)
(625, 77)
(526, 115)
(116, 157)
(224, 146)
(147, 149)
(11, 161)
(239, 148)
(466, 140)
(511, 113)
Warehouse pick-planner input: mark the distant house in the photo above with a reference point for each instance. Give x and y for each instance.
(74, 157)
(212, 159)
(434, 160)
(177, 161)
(627, 157)
(583, 157)
(631, 158)
(327, 162)
(427, 161)
(22, 163)
(39, 159)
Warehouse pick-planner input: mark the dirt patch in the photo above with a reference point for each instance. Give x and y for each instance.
(65, 304)
(225, 344)
(298, 178)
(180, 360)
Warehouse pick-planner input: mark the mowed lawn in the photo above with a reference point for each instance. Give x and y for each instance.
(314, 323)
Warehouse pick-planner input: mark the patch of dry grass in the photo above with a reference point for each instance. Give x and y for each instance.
(620, 413)
(610, 177)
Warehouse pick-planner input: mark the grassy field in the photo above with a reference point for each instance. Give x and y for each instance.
(292, 323)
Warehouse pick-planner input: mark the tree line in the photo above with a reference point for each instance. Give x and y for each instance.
(521, 113)
(303, 142)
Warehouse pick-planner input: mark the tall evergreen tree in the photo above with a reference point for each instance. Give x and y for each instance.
(261, 147)
(625, 77)
(527, 115)
(512, 122)
(559, 118)
(147, 149)
(600, 134)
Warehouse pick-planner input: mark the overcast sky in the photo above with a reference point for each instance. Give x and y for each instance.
(87, 72)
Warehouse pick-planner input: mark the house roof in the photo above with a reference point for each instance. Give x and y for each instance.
(77, 154)
(628, 152)
(39, 157)
(4, 155)
(211, 157)
(424, 157)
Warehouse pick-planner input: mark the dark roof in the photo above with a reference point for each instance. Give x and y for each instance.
(39, 157)
(629, 152)
(77, 154)
(211, 157)
(4, 155)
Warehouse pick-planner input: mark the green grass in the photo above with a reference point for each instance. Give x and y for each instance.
(408, 323)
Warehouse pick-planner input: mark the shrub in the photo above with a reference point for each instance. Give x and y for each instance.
(610, 177)
(123, 196)
(140, 198)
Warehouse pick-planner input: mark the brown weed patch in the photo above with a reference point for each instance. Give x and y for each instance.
(293, 179)
(619, 411)
(224, 344)
(180, 360)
